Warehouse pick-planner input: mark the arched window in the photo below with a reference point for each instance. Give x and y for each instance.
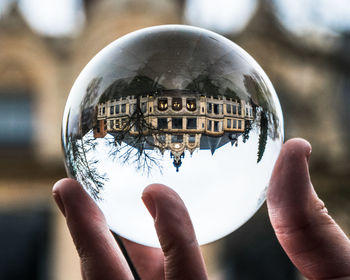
(177, 104)
(192, 139)
(162, 104)
(176, 138)
(191, 104)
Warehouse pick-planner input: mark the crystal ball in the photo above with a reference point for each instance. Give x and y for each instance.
(181, 106)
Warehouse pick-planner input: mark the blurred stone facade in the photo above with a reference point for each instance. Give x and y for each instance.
(45, 69)
(312, 81)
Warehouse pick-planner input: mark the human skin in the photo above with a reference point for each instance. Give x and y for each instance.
(308, 234)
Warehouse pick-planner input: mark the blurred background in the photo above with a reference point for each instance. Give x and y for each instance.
(304, 48)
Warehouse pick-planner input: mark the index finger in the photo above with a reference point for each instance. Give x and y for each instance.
(310, 237)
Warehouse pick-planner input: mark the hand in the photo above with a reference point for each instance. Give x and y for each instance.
(101, 258)
(310, 237)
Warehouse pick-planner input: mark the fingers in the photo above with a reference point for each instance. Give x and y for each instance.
(100, 256)
(182, 255)
(310, 237)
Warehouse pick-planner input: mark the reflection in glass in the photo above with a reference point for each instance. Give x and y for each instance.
(199, 116)
(154, 123)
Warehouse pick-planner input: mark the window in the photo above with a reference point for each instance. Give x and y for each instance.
(191, 104)
(228, 123)
(123, 108)
(216, 126)
(191, 138)
(191, 123)
(177, 104)
(143, 107)
(117, 123)
(234, 123)
(239, 124)
(111, 124)
(162, 104)
(132, 108)
(176, 138)
(16, 120)
(103, 110)
(202, 109)
(150, 109)
(209, 124)
(25, 232)
(228, 108)
(216, 109)
(239, 109)
(111, 110)
(177, 123)
(124, 121)
(117, 109)
(161, 138)
(209, 108)
(235, 109)
(162, 123)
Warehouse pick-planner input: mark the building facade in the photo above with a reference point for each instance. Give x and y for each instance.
(174, 121)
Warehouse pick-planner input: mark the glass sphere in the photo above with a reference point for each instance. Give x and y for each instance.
(176, 105)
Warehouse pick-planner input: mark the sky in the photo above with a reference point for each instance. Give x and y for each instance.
(51, 17)
(65, 17)
(221, 181)
(223, 16)
(303, 16)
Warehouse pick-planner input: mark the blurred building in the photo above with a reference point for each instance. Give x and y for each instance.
(311, 78)
(36, 74)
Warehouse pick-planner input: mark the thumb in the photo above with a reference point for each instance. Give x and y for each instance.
(100, 256)
(182, 255)
(311, 238)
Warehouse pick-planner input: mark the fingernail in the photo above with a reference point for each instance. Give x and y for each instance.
(59, 203)
(149, 203)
